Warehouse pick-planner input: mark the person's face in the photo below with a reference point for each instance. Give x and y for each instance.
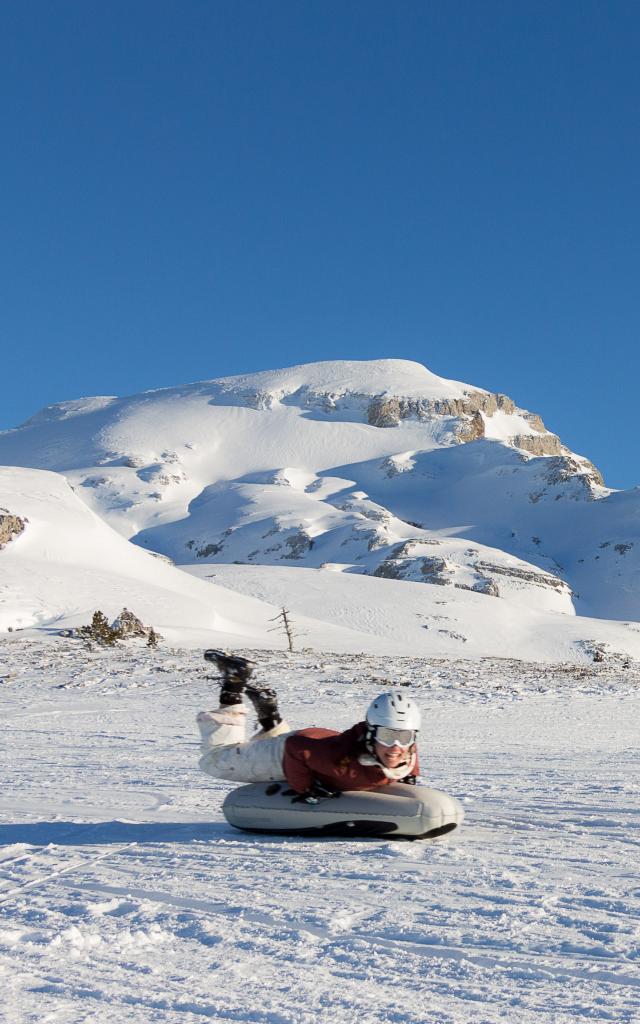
(391, 757)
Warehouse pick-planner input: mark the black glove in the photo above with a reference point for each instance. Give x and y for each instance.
(317, 791)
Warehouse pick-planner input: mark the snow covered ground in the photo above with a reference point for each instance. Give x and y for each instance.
(124, 895)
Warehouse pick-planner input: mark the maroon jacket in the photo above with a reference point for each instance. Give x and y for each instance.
(332, 758)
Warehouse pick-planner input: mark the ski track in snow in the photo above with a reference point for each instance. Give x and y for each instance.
(125, 896)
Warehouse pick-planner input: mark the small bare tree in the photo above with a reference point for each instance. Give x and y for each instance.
(284, 623)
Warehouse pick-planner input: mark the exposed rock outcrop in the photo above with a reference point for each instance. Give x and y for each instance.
(402, 564)
(127, 624)
(260, 400)
(10, 526)
(469, 411)
(623, 548)
(488, 587)
(506, 404)
(435, 570)
(390, 569)
(568, 467)
(208, 550)
(599, 651)
(411, 548)
(396, 464)
(538, 444)
(410, 561)
(389, 411)
(385, 412)
(535, 422)
(541, 579)
(470, 429)
(298, 544)
(475, 401)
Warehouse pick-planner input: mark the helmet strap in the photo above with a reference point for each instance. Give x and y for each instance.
(369, 740)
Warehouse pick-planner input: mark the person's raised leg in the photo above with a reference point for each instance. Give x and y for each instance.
(226, 724)
(225, 752)
(265, 705)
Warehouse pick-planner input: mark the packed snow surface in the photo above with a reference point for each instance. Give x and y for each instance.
(125, 897)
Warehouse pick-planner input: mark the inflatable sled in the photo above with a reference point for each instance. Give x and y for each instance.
(397, 811)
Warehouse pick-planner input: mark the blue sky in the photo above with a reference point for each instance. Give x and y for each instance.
(193, 189)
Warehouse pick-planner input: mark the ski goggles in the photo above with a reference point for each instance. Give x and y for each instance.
(402, 738)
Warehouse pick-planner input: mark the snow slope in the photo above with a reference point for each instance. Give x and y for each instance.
(535, 508)
(125, 897)
(298, 518)
(398, 618)
(67, 563)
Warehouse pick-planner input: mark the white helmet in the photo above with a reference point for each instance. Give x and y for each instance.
(394, 711)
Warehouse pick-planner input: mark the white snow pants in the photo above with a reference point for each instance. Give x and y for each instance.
(226, 753)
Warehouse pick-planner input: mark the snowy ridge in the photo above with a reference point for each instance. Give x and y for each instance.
(335, 380)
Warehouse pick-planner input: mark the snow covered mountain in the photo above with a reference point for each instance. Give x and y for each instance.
(378, 469)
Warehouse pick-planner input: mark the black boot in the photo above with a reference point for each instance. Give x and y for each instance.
(235, 672)
(265, 704)
(231, 692)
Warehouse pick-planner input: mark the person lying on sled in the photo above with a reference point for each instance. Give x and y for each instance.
(317, 763)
